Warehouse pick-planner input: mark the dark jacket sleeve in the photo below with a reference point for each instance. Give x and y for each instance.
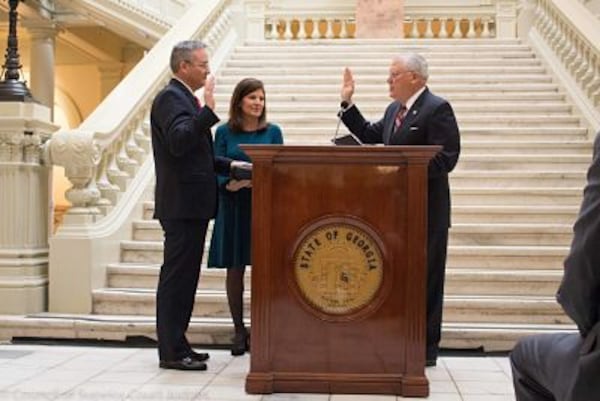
(366, 131)
(579, 292)
(181, 126)
(443, 130)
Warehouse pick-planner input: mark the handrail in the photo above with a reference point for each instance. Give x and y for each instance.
(103, 154)
(567, 36)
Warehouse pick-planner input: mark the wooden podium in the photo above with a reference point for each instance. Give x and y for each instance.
(339, 269)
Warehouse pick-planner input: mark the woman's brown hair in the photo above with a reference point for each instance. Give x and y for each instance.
(242, 89)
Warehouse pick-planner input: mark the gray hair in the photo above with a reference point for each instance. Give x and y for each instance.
(182, 51)
(414, 62)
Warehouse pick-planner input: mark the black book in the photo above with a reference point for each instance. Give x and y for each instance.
(347, 140)
(241, 174)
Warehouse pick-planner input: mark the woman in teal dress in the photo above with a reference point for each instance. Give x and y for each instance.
(230, 244)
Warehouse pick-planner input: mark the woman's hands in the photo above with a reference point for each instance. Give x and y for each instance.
(236, 185)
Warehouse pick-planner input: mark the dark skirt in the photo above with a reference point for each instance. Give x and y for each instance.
(230, 243)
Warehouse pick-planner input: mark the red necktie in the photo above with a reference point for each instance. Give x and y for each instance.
(400, 117)
(198, 102)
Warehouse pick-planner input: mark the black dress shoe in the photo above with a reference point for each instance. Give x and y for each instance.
(199, 356)
(240, 344)
(430, 362)
(186, 363)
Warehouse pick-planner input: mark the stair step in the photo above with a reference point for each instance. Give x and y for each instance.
(484, 60)
(524, 147)
(307, 79)
(328, 119)
(516, 178)
(516, 196)
(458, 281)
(511, 234)
(493, 134)
(431, 44)
(506, 257)
(525, 214)
(130, 275)
(208, 331)
(443, 87)
(502, 282)
(537, 162)
(316, 54)
(373, 107)
(292, 68)
(457, 308)
(460, 234)
(454, 97)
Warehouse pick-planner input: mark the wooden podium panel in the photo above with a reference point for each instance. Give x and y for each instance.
(339, 269)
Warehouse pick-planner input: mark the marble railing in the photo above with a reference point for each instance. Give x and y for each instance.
(108, 161)
(105, 152)
(479, 19)
(567, 36)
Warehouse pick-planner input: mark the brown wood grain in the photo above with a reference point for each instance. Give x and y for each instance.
(379, 349)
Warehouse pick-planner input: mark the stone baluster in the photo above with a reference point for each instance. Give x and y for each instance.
(126, 163)
(583, 66)
(287, 33)
(109, 192)
(595, 82)
(115, 174)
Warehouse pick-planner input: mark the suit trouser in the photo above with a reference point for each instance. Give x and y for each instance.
(544, 366)
(177, 283)
(437, 244)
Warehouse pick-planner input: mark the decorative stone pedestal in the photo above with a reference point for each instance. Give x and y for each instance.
(379, 19)
(24, 207)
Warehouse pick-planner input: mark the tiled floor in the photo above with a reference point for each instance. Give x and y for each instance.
(93, 373)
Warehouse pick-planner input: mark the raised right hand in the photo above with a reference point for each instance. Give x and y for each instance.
(209, 92)
(347, 86)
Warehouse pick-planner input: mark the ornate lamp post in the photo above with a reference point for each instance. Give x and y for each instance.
(11, 89)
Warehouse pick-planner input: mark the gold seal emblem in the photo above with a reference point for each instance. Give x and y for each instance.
(338, 268)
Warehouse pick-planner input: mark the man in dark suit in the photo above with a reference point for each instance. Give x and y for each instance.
(566, 366)
(185, 196)
(417, 117)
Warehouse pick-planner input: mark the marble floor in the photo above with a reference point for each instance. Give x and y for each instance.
(30, 371)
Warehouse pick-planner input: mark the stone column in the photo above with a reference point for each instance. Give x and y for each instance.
(42, 63)
(24, 207)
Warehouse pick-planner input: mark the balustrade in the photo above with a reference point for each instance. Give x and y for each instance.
(100, 163)
(572, 45)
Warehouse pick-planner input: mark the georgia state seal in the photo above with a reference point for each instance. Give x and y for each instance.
(338, 268)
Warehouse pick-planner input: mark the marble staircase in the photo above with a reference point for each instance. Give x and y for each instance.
(515, 191)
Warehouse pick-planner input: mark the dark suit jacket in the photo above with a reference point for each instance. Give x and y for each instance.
(579, 292)
(186, 181)
(430, 121)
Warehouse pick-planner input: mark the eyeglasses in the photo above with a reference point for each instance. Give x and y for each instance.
(198, 65)
(396, 74)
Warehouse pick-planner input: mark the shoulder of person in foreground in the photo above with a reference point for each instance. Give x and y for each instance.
(579, 291)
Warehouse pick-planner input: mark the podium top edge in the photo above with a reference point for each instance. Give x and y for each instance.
(341, 148)
(402, 152)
